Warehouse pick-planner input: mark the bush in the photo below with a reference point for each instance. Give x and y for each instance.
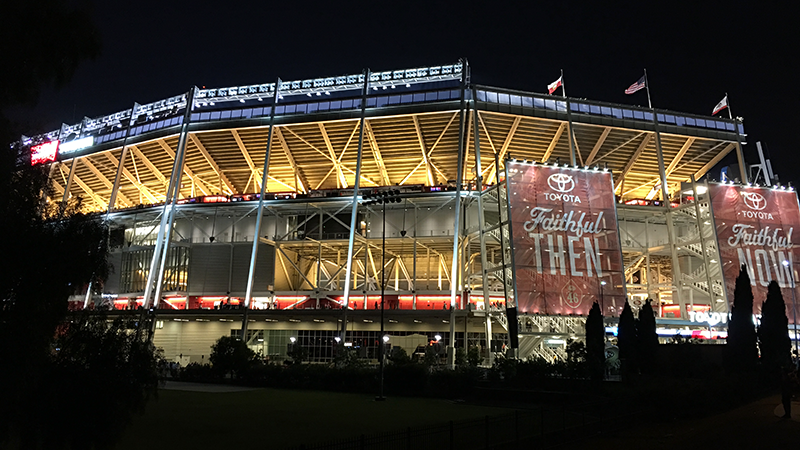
(231, 356)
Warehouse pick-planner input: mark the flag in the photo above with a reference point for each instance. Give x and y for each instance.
(554, 85)
(721, 105)
(638, 86)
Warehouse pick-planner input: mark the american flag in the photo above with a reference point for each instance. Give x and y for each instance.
(638, 86)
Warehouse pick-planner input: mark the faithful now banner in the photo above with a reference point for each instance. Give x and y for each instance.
(566, 244)
(756, 226)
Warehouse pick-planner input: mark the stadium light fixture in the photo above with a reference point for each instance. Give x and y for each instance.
(385, 338)
(438, 338)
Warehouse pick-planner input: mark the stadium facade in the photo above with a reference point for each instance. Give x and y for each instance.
(252, 209)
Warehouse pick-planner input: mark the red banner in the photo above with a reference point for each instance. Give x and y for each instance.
(755, 226)
(565, 239)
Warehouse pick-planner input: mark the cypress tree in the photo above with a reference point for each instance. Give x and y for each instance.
(595, 343)
(646, 337)
(626, 339)
(773, 334)
(742, 348)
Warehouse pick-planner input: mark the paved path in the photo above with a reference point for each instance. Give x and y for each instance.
(202, 387)
(755, 425)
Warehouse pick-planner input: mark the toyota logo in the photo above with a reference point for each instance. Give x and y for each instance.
(561, 182)
(754, 200)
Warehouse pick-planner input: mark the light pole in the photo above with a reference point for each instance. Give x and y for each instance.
(382, 198)
(794, 304)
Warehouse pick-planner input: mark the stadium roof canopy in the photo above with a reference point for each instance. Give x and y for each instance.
(411, 137)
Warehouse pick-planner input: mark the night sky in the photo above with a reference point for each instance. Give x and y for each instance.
(694, 52)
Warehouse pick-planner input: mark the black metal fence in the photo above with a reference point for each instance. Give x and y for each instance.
(538, 428)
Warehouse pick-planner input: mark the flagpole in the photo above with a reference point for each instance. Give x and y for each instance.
(739, 152)
(647, 86)
(572, 159)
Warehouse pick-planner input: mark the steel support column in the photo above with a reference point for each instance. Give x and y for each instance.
(676, 267)
(451, 351)
(169, 202)
(354, 211)
(260, 211)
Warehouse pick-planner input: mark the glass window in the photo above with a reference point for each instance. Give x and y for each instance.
(214, 115)
(584, 107)
(594, 109)
(574, 107)
(406, 98)
(669, 118)
(301, 109)
(205, 116)
(605, 110)
(336, 104)
(720, 125)
(561, 106)
(741, 128)
(527, 101)
(347, 104)
(226, 115)
(258, 111)
(701, 122)
(550, 104)
(627, 113)
(279, 110)
(503, 99)
(382, 101)
(538, 102)
(236, 114)
(660, 118)
(492, 97)
(616, 112)
(648, 116)
(175, 120)
(482, 96)
(729, 126)
(371, 102)
(394, 99)
(638, 115)
(680, 121)
(290, 109)
(690, 121)
(455, 94)
(324, 106)
(516, 100)
(430, 96)
(419, 97)
(195, 116)
(312, 107)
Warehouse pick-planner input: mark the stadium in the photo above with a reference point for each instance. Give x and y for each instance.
(416, 206)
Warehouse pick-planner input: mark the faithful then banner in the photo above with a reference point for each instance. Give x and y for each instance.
(565, 240)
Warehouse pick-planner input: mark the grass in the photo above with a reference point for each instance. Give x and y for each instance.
(274, 418)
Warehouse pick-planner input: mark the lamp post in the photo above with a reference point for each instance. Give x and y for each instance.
(382, 198)
(794, 304)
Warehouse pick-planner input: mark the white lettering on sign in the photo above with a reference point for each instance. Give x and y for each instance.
(761, 238)
(711, 318)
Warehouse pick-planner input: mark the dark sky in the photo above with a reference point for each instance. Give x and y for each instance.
(694, 52)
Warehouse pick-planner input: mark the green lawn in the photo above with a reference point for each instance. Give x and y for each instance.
(274, 418)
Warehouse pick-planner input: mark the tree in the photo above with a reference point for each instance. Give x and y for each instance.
(99, 371)
(230, 355)
(646, 337)
(773, 334)
(742, 349)
(595, 343)
(626, 339)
